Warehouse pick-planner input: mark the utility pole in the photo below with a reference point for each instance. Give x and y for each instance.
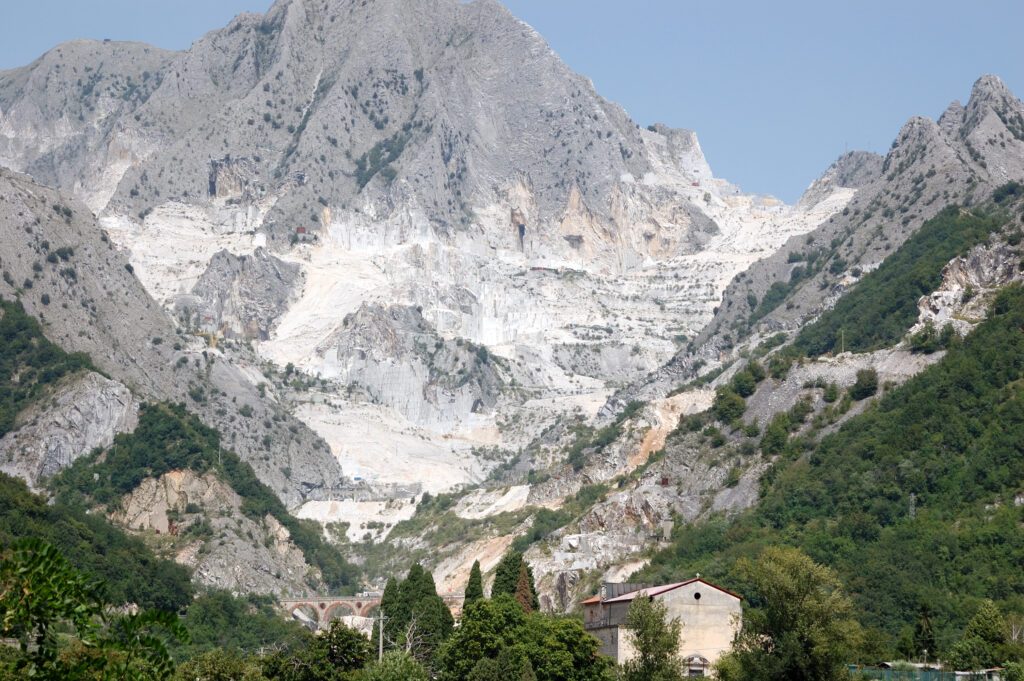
(380, 635)
(842, 341)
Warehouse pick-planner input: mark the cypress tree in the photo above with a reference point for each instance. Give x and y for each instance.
(415, 600)
(507, 574)
(506, 577)
(434, 623)
(475, 587)
(395, 613)
(524, 589)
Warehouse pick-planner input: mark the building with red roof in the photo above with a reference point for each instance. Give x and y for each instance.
(710, 614)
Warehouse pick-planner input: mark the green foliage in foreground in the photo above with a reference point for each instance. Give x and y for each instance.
(656, 640)
(169, 438)
(800, 626)
(558, 649)
(416, 618)
(220, 620)
(65, 630)
(128, 568)
(511, 570)
(396, 666)
(880, 308)
(28, 362)
(475, 586)
(910, 502)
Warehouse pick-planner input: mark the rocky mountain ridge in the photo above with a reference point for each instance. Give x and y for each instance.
(391, 247)
(265, 185)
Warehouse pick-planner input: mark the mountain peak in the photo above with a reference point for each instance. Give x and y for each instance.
(988, 87)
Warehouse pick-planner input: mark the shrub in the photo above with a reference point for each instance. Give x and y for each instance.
(728, 406)
(866, 384)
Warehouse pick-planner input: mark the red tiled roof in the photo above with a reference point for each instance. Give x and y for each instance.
(657, 591)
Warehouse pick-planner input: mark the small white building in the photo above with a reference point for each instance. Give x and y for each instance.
(711, 617)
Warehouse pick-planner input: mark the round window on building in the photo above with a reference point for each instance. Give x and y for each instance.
(696, 596)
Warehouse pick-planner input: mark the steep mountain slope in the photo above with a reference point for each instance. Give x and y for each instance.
(334, 156)
(132, 572)
(408, 224)
(67, 273)
(154, 470)
(708, 449)
(959, 159)
(917, 502)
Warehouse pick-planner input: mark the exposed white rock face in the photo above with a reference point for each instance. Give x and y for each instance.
(484, 503)
(446, 161)
(364, 519)
(234, 552)
(968, 282)
(93, 303)
(84, 412)
(376, 445)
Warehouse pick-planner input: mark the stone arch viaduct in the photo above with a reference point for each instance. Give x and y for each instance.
(322, 610)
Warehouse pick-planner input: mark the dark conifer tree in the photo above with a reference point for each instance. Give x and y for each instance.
(475, 587)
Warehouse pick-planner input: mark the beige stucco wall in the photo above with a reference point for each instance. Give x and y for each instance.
(709, 623)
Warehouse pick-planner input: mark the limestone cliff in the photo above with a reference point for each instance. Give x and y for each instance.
(83, 412)
(200, 520)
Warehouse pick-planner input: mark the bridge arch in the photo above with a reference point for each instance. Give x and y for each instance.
(338, 609)
(306, 613)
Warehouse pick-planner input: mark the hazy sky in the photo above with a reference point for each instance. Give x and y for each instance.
(775, 90)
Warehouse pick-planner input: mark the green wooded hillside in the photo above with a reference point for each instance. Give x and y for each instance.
(882, 306)
(913, 502)
(169, 438)
(132, 573)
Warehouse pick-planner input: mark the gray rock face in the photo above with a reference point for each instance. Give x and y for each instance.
(63, 117)
(969, 284)
(201, 515)
(398, 358)
(89, 301)
(854, 169)
(239, 296)
(84, 412)
(960, 159)
(325, 108)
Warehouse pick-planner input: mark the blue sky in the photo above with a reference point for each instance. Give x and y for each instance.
(775, 90)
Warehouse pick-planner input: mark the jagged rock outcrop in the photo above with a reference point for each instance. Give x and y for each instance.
(959, 159)
(398, 358)
(853, 169)
(445, 159)
(436, 105)
(202, 517)
(83, 412)
(968, 283)
(63, 118)
(239, 296)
